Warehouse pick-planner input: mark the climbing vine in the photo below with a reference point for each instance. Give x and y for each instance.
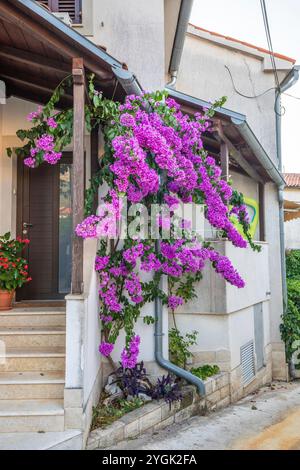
(153, 156)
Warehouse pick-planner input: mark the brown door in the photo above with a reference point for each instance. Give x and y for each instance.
(44, 216)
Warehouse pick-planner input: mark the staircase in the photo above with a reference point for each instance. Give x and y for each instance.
(32, 370)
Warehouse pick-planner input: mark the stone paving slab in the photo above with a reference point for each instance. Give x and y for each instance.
(267, 419)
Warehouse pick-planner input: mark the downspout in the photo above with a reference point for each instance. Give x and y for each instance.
(287, 83)
(181, 29)
(184, 374)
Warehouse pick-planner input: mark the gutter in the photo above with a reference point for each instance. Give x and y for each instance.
(181, 29)
(32, 8)
(259, 151)
(239, 121)
(128, 81)
(287, 83)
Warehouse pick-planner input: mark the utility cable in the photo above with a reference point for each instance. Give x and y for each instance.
(269, 41)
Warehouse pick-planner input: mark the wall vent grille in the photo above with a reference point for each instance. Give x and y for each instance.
(247, 362)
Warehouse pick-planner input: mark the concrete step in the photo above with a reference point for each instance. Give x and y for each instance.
(33, 337)
(31, 385)
(31, 415)
(34, 359)
(66, 440)
(33, 317)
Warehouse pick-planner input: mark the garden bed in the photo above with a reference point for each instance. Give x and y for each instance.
(157, 415)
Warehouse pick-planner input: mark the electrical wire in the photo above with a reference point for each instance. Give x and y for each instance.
(259, 94)
(292, 96)
(242, 94)
(269, 41)
(273, 63)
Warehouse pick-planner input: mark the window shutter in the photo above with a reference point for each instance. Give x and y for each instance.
(73, 7)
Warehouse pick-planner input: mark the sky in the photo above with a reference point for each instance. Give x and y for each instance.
(242, 19)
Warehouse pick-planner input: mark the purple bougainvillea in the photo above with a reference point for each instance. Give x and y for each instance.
(153, 154)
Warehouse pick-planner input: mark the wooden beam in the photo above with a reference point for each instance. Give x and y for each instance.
(36, 96)
(51, 39)
(236, 154)
(32, 81)
(224, 157)
(78, 173)
(34, 60)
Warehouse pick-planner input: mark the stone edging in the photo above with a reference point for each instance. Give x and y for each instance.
(157, 415)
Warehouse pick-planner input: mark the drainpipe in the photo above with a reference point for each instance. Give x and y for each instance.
(184, 374)
(181, 29)
(287, 83)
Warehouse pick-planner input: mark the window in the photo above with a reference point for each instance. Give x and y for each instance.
(73, 7)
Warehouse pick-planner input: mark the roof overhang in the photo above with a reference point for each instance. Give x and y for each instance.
(36, 52)
(245, 149)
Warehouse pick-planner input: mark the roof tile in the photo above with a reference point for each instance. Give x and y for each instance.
(238, 41)
(292, 180)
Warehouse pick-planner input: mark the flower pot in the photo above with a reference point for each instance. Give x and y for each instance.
(6, 298)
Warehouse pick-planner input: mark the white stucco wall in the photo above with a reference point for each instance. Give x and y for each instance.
(202, 74)
(272, 236)
(133, 32)
(292, 227)
(215, 295)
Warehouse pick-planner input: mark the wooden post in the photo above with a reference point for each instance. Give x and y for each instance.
(261, 199)
(78, 173)
(224, 155)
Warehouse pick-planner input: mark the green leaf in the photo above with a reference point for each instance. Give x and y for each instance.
(9, 152)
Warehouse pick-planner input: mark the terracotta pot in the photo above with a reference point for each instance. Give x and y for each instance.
(6, 298)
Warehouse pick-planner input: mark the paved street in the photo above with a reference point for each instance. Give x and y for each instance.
(269, 419)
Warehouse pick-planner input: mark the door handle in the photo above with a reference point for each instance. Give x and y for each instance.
(26, 226)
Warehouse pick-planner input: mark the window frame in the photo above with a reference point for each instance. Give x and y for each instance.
(53, 6)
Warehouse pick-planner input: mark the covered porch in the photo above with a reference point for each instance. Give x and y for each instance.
(49, 371)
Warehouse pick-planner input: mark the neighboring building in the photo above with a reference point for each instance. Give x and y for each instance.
(239, 330)
(212, 66)
(292, 211)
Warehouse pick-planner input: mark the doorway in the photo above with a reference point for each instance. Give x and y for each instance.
(44, 215)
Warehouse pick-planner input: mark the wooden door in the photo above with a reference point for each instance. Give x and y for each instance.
(44, 216)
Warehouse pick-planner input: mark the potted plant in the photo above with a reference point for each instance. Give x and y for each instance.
(13, 268)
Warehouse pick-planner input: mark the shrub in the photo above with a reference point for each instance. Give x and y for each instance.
(293, 264)
(106, 414)
(293, 286)
(133, 381)
(168, 388)
(13, 268)
(205, 371)
(290, 328)
(179, 346)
